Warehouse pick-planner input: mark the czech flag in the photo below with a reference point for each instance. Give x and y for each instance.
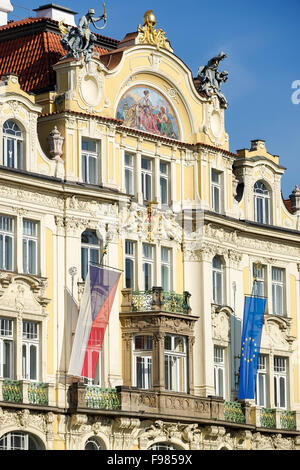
(96, 303)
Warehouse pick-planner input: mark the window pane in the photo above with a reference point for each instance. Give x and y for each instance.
(32, 254)
(24, 361)
(165, 278)
(92, 170)
(164, 190)
(129, 272)
(282, 392)
(7, 359)
(84, 168)
(33, 362)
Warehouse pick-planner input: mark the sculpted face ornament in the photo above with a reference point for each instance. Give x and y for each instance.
(81, 41)
(209, 79)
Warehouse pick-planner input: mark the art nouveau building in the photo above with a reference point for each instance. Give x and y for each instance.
(86, 162)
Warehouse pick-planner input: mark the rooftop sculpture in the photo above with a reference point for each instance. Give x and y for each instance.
(81, 41)
(209, 79)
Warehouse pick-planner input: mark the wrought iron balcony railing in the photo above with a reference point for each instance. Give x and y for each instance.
(156, 299)
(101, 398)
(22, 391)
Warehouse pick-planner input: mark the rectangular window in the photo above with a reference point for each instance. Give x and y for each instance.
(89, 161)
(219, 371)
(142, 361)
(30, 351)
(148, 266)
(30, 247)
(278, 291)
(280, 382)
(216, 191)
(146, 173)
(175, 363)
(130, 248)
(259, 277)
(261, 382)
(164, 183)
(6, 349)
(6, 243)
(166, 268)
(129, 173)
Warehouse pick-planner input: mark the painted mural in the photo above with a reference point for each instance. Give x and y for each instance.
(147, 110)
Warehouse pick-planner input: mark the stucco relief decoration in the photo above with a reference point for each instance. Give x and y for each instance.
(220, 325)
(277, 334)
(90, 83)
(20, 295)
(135, 219)
(145, 109)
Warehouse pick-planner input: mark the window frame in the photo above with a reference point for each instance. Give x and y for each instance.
(216, 188)
(278, 376)
(131, 257)
(17, 141)
(164, 177)
(219, 367)
(129, 169)
(173, 369)
(145, 175)
(7, 234)
(261, 381)
(8, 339)
(27, 344)
(88, 247)
(144, 354)
(146, 261)
(263, 197)
(86, 156)
(276, 286)
(27, 239)
(218, 273)
(168, 265)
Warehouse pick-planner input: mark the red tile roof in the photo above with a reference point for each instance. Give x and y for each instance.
(289, 205)
(31, 50)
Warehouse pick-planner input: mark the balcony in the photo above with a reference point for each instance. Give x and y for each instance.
(171, 405)
(24, 392)
(156, 300)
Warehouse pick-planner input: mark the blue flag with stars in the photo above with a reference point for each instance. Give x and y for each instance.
(254, 310)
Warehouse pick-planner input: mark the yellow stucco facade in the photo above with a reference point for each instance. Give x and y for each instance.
(192, 226)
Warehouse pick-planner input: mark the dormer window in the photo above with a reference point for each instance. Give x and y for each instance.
(13, 145)
(261, 203)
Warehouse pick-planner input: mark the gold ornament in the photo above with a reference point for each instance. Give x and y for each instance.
(149, 35)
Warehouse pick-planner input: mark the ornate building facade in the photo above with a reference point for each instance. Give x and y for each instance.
(124, 149)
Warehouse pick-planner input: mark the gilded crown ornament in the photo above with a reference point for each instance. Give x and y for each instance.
(149, 35)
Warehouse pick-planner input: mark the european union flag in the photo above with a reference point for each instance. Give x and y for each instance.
(254, 310)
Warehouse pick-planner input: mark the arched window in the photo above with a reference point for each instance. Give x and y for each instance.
(164, 446)
(13, 146)
(218, 280)
(93, 443)
(90, 251)
(16, 440)
(261, 203)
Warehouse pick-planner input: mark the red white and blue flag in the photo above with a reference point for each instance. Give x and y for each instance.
(96, 303)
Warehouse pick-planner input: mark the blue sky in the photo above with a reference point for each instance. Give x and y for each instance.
(262, 41)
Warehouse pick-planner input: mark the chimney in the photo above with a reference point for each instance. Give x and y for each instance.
(295, 198)
(57, 13)
(5, 8)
